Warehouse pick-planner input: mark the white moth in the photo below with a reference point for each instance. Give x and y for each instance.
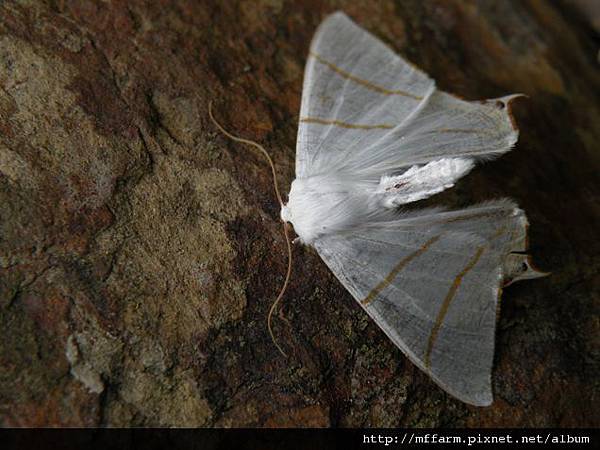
(376, 134)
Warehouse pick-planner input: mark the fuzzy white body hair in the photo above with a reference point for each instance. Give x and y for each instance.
(420, 182)
(333, 202)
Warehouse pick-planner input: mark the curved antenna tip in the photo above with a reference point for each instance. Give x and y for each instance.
(285, 229)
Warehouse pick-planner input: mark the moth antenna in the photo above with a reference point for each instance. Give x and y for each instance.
(285, 227)
(283, 288)
(249, 142)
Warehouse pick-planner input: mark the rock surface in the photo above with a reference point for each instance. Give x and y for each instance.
(140, 250)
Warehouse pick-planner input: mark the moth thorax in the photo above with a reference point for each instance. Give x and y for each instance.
(315, 207)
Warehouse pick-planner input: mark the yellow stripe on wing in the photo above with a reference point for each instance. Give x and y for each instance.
(446, 304)
(362, 82)
(387, 280)
(383, 126)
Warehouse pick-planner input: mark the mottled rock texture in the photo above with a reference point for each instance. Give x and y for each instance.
(140, 250)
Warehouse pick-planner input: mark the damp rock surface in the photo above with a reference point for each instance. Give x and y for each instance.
(140, 250)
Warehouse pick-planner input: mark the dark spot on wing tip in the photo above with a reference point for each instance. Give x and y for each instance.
(458, 96)
(513, 122)
(508, 105)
